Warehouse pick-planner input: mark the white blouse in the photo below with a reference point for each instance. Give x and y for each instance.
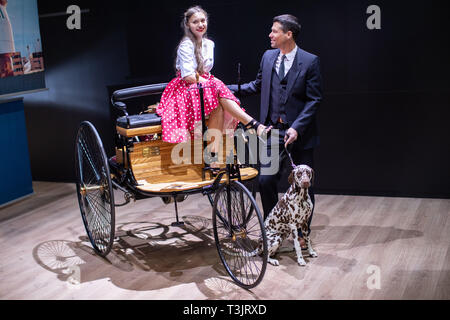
(186, 62)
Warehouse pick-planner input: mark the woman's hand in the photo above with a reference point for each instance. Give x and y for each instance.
(191, 79)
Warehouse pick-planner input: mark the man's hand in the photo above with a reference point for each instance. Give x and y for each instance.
(290, 136)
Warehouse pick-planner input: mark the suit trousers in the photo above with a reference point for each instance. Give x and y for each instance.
(268, 184)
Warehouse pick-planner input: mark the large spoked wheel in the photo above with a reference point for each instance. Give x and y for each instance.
(94, 188)
(239, 234)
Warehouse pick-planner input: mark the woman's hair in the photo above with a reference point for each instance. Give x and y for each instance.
(188, 34)
(288, 23)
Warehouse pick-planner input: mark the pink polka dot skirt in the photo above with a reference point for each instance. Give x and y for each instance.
(180, 109)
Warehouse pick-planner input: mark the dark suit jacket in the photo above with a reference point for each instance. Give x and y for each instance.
(304, 93)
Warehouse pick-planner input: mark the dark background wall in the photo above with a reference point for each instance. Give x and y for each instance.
(384, 117)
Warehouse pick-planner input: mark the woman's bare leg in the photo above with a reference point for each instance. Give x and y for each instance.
(236, 112)
(215, 122)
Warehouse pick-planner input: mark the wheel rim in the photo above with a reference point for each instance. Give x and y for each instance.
(94, 188)
(238, 243)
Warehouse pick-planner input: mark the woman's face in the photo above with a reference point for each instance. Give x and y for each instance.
(198, 24)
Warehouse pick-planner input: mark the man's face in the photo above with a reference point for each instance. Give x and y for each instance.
(277, 37)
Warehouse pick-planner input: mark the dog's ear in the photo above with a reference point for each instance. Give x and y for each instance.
(312, 176)
(291, 177)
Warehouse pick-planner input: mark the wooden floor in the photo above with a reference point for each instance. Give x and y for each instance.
(45, 253)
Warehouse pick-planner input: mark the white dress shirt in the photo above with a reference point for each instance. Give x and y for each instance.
(288, 61)
(186, 62)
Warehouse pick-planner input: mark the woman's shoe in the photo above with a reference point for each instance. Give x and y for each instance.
(212, 164)
(254, 125)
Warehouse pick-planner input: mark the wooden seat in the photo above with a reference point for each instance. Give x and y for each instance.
(138, 131)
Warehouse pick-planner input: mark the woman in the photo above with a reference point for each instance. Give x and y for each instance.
(179, 107)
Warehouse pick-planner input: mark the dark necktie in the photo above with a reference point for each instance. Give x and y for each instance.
(281, 71)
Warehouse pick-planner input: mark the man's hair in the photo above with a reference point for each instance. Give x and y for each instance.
(288, 23)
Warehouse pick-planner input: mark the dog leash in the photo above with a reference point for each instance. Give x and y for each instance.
(289, 155)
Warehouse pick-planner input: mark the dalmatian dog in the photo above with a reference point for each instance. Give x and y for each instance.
(292, 212)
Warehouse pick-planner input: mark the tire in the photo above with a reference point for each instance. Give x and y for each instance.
(94, 189)
(241, 244)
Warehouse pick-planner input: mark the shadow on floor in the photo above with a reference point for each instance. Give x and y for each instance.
(146, 256)
(152, 256)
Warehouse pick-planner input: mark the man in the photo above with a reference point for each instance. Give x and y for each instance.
(290, 84)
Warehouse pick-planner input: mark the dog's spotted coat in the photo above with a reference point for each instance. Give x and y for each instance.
(292, 212)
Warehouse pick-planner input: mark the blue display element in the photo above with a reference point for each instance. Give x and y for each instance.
(15, 173)
(21, 56)
(25, 25)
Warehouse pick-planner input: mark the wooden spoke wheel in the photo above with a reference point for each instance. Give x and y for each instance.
(239, 234)
(94, 188)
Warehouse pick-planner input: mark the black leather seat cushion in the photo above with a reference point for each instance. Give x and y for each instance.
(139, 121)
